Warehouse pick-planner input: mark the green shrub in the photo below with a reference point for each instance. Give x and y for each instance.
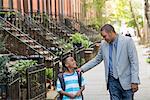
(22, 65)
(80, 38)
(148, 60)
(49, 73)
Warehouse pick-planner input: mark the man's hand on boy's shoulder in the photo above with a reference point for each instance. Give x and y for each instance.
(79, 70)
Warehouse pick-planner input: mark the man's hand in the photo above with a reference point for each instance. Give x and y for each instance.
(134, 87)
(79, 70)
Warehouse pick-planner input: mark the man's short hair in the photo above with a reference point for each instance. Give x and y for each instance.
(107, 28)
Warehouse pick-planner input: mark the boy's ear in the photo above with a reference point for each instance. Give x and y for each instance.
(66, 64)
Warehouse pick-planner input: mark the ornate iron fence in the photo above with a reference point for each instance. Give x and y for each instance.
(36, 82)
(14, 85)
(10, 90)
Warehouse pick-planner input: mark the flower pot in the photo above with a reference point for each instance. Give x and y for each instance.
(77, 45)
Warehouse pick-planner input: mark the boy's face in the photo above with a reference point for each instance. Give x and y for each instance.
(70, 62)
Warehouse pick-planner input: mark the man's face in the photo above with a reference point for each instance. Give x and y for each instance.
(70, 62)
(107, 36)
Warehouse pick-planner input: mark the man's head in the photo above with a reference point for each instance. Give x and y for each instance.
(69, 62)
(108, 33)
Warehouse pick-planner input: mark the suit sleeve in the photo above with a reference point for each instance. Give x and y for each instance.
(133, 58)
(92, 63)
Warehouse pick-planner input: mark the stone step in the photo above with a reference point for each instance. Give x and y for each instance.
(35, 29)
(37, 47)
(52, 95)
(20, 35)
(44, 52)
(29, 41)
(51, 38)
(49, 58)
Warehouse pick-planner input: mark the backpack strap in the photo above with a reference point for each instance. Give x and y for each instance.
(62, 83)
(80, 81)
(79, 78)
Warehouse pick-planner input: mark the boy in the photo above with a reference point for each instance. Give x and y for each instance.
(70, 83)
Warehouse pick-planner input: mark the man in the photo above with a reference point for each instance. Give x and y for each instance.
(128, 34)
(121, 64)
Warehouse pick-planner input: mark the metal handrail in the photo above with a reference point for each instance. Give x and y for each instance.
(17, 29)
(31, 22)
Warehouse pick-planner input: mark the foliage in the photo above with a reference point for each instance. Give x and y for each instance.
(76, 38)
(49, 73)
(3, 61)
(80, 38)
(97, 6)
(2, 42)
(68, 46)
(22, 65)
(96, 38)
(148, 60)
(122, 12)
(3, 68)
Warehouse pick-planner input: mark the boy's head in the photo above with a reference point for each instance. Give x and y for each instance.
(69, 62)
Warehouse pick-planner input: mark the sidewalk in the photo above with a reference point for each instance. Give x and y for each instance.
(96, 86)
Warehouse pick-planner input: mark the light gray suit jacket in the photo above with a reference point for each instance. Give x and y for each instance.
(126, 61)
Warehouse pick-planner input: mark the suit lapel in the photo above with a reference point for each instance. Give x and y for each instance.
(119, 46)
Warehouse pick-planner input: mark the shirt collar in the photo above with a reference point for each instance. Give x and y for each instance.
(115, 41)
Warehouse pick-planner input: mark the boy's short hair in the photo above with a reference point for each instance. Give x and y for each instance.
(64, 59)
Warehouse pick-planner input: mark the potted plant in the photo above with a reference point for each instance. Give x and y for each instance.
(78, 40)
(21, 66)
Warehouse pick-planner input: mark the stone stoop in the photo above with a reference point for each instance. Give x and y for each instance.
(52, 95)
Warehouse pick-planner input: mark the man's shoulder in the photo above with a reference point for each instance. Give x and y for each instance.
(103, 43)
(124, 38)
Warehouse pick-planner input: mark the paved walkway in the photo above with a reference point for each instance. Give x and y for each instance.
(96, 86)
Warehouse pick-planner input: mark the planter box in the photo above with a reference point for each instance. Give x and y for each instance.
(88, 54)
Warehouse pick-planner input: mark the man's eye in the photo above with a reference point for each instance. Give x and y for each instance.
(103, 37)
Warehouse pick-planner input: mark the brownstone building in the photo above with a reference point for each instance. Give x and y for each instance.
(65, 8)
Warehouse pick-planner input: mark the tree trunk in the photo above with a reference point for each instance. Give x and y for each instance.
(147, 12)
(134, 18)
(147, 21)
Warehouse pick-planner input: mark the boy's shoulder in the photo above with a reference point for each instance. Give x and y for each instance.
(62, 74)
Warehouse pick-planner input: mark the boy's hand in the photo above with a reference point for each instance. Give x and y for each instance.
(78, 93)
(72, 96)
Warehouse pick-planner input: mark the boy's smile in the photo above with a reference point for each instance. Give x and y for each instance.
(71, 63)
